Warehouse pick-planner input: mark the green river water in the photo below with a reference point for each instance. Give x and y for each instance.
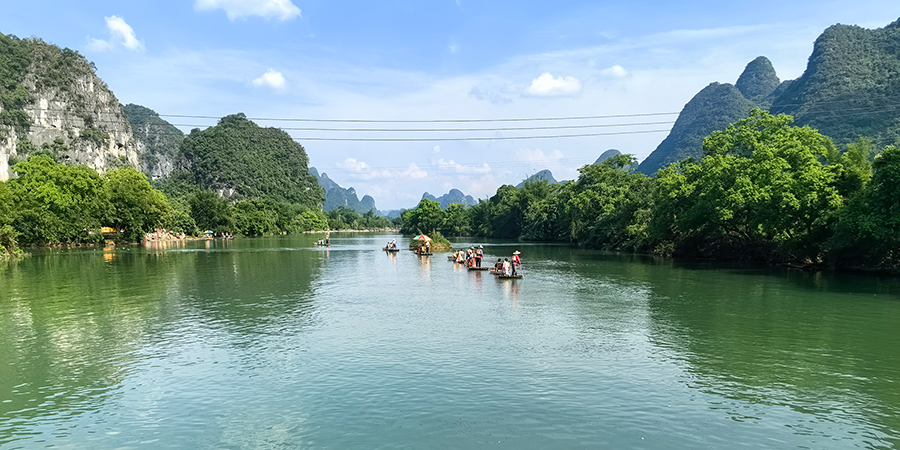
(273, 343)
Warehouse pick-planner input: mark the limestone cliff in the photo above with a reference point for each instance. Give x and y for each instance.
(51, 100)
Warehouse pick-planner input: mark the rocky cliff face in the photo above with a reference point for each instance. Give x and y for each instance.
(158, 141)
(71, 113)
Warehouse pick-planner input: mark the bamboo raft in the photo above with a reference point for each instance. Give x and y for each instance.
(479, 268)
(514, 277)
(387, 249)
(424, 254)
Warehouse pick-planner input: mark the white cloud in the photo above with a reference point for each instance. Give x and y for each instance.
(414, 172)
(362, 171)
(239, 9)
(436, 149)
(353, 165)
(120, 33)
(615, 71)
(453, 166)
(538, 156)
(272, 79)
(547, 86)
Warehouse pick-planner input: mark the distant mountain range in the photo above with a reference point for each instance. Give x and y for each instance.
(544, 175)
(337, 196)
(850, 89)
(454, 196)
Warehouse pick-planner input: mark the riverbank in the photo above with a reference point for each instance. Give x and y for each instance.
(364, 230)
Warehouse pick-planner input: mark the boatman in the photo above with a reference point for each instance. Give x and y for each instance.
(516, 262)
(479, 255)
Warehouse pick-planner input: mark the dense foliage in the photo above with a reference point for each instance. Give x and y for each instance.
(713, 108)
(850, 86)
(764, 190)
(849, 89)
(240, 158)
(14, 62)
(51, 203)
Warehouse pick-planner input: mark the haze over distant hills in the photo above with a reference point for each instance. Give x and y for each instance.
(454, 196)
(544, 175)
(336, 196)
(850, 89)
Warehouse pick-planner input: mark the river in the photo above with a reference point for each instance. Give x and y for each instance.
(273, 343)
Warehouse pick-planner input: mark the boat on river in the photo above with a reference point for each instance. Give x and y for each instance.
(390, 249)
(514, 277)
(424, 254)
(479, 268)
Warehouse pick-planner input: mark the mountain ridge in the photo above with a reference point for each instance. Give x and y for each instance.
(848, 90)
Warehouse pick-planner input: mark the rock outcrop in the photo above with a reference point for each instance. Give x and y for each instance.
(69, 112)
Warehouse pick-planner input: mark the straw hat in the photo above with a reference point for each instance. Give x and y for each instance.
(480, 246)
(516, 253)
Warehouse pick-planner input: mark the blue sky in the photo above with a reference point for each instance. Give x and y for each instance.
(454, 59)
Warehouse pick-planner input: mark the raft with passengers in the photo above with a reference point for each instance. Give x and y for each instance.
(507, 269)
(474, 256)
(391, 246)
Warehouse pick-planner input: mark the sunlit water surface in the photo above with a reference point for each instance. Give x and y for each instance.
(275, 343)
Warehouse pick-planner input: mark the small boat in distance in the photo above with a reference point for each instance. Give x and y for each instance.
(391, 249)
(479, 268)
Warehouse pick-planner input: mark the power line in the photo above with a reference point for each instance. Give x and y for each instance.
(278, 119)
(504, 138)
(406, 130)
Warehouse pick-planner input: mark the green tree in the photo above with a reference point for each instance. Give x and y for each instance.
(210, 211)
(868, 233)
(427, 216)
(57, 203)
(310, 221)
(254, 217)
(507, 214)
(761, 191)
(456, 220)
(135, 207)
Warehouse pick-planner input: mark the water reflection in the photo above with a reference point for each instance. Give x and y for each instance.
(748, 336)
(68, 342)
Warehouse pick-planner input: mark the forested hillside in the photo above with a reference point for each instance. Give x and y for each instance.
(160, 141)
(851, 86)
(239, 158)
(849, 90)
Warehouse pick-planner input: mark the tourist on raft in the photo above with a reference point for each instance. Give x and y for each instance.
(479, 255)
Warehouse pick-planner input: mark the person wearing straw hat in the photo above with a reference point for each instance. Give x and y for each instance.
(516, 261)
(479, 255)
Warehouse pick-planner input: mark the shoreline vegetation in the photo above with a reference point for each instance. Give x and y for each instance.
(764, 191)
